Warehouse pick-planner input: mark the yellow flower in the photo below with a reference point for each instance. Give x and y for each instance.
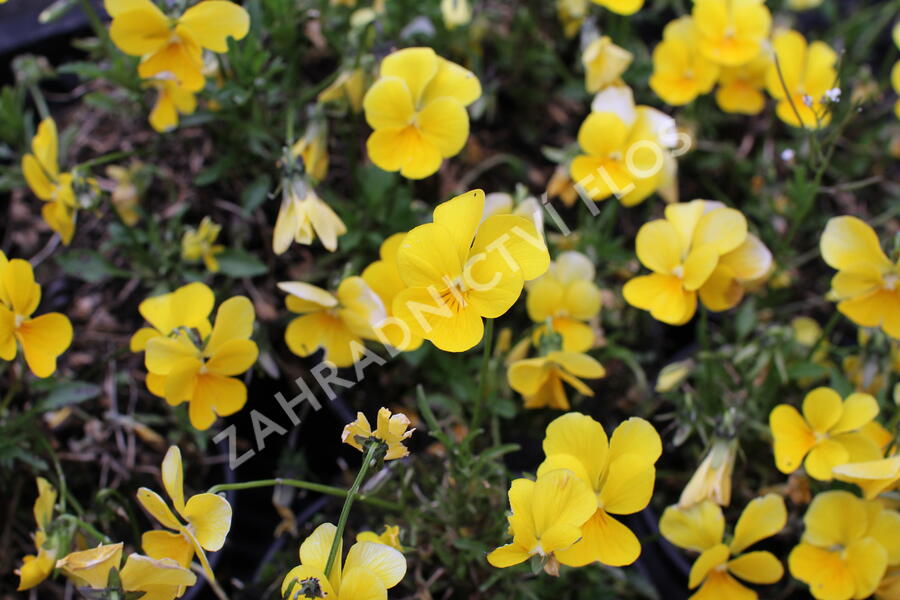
(37, 568)
(571, 15)
(302, 216)
(741, 88)
(312, 148)
(42, 338)
(418, 111)
(207, 519)
(673, 374)
(621, 474)
(731, 32)
(200, 244)
(867, 284)
(540, 380)
(701, 247)
(188, 306)
(808, 72)
(546, 520)
(712, 479)
(568, 296)
(623, 151)
(369, 571)
(560, 185)
(90, 568)
(680, 71)
(172, 100)
(456, 13)
(604, 63)
(175, 45)
(391, 429)
(826, 435)
(41, 171)
(841, 555)
(459, 269)
(126, 194)
(622, 7)
(349, 84)
(383, 277)
(389, 537)
(338, 323)
(873, 477)
(701, 528)
(201, 371)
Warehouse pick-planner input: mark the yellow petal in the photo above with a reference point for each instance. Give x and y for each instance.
(43, 505)
(699, 266)
(560, 502)
(793, 437)
(315, 549)
(708, 560)
(751, 260)
(638, 437)
(34, 570)
(508, 556)
(212, 22)
(884, 527)
(581, 437)
(849, 243)
(91, 567)
(429, 255)
(822, 408)
(173, 477)
(387, 563)
(444, 124)
(216, 395)
(210, 517)
(310, 576)
(858, 409)
(763, 517)
(724, 228)
(156, 506)
(658, 247)
(389, 104)
(306, 297)
(867, 563)
(161, 544)
(528, 375)
(159, 579)
(36, 177)
(415, 66)
(140, 30)
(460, 217)
(823, 457)
(182, 58)
(834, 518)
(696, 528)
(825, 572)
(579, 365)
(628, 486)
(663, 295)
(163, 354)
(513, 239)
(362, 584)
(234, 320)
(43, 339)
(873, 477)
(23, 292)
(233, 357)
(453, 81)
(719, 585)
(757, 567)
(602, 134)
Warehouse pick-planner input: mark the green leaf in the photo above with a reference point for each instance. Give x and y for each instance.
(807, 370)
(89, 266)
(255, 194)
(237, 263)
(68, 393)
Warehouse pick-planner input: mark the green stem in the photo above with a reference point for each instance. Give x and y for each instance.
(86, 527)
(348, 502)
(305, 485)
(826, 333)
(94, 19)
(703, 334)
(485, 368)
(39, 101)
(13, 389)
(108, 158)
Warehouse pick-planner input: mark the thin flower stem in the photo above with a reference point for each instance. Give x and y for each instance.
(94, 19)
(86, 527)
(483, 387)
(348, 502)
(305, 485)
(826, 332)
(39, 101)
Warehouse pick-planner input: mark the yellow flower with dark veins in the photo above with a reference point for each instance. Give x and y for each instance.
(566, 295)
(826, 435)
(202, 523)
(172, 100)
(202, 371)
(717, 570)
(304, 216)
(460, 269)
(390, 429)
(337, 323)
(174, 45)
(741, 88)
(418, 111)
(369, 570)
(200, 244)
(41, 171)
(37, 568)
(547, 519)
(807, 71)
(540, 380)
(389, 537)
(604, 62)
(867, 284)
(700, 248)
(846, 547)
(621, 473)
(43, 339)
(680, 71)
(731, 32)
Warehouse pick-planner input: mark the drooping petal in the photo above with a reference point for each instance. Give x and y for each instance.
(161, 544)
(159, 579)
(156, 506)
(387, 563)
(140, 29)
(508, 556)
(210, 517)
(763, 517)
(212, 22)
(173, 478)
(849, 242)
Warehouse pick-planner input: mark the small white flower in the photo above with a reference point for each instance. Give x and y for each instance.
(833, 95)
(787, 155)
(807, 100)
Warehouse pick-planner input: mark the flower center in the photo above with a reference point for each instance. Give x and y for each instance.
(891, 280)
(454, 295)
(678, 271)
(19, 320)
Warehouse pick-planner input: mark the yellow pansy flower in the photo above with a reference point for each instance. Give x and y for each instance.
(337, 323)
(200, 243)
(393, 430)
(571, 15)
(205, 519)
(126, 195)
(841, 556)
(41, 171)
(700, 248)
(456, 13)
(349, 84)
(741, 88)
(712, 479)
(566, 295)
(547, 518)
(808, 70)
(43, 339)
(680, 71)
(90, 568)
(731, 32)
(701, 528)
(459, 270)
(303, 216)
(174, 45)
(312, 148)
(622, 7)
(367, 573)
(867, 284)
(37, 568)
(172, 100)
(622, 152)
(873, 477)
(621, 474)
(418, 111)
(604, 62)
(201, 372)
(389, 537)
(826, 435)
(383, 277)
(188, 306)
(540, 380)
